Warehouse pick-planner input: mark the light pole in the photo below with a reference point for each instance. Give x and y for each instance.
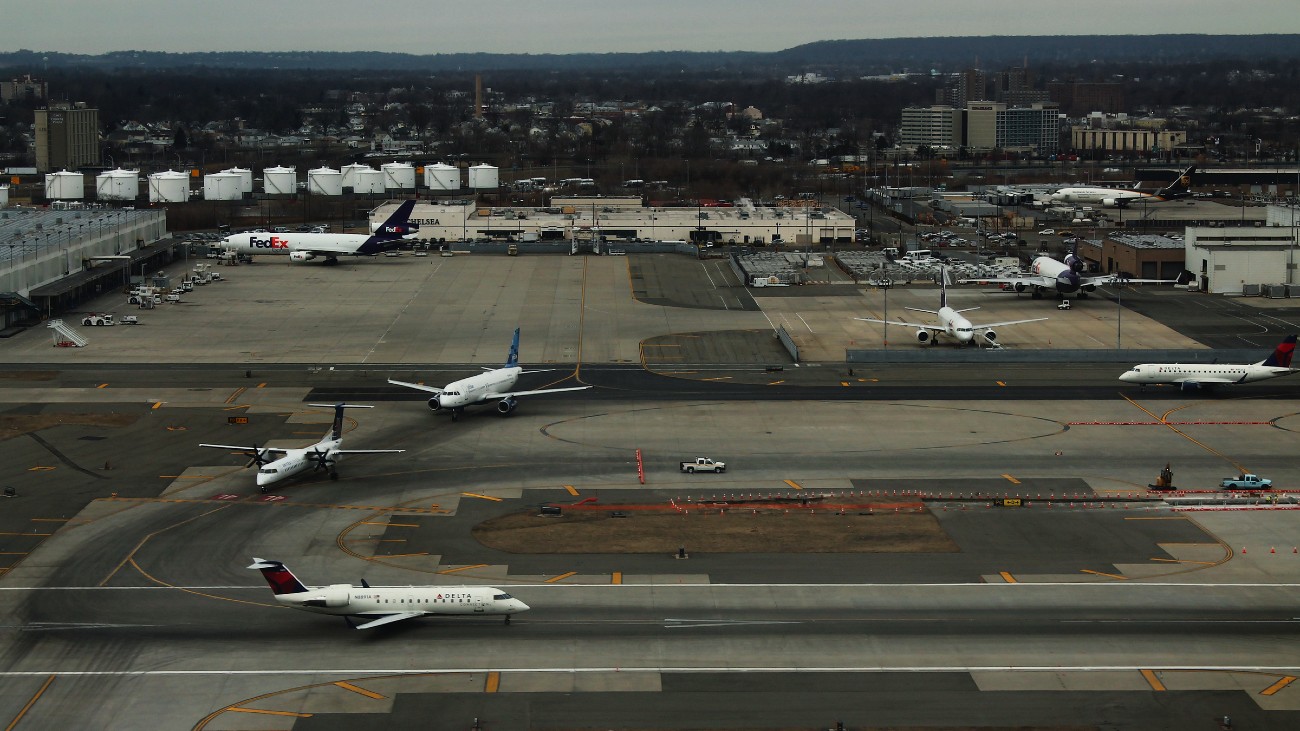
(883, 285)
(1119, 311)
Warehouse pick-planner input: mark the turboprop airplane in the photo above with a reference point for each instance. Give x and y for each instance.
(384, 604)
(1061, 277)
(1120, 197)
(323, 455)
(494, 384)
(308, 246)
(951, 322)
(1189, 376)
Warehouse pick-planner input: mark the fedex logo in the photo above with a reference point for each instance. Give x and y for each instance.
(400, 228)
(270, 242)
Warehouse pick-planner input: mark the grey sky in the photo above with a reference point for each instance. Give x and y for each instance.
(572, 26)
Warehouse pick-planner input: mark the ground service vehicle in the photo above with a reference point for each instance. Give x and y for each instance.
(703, 464)
(1246, 481)
(97, 320)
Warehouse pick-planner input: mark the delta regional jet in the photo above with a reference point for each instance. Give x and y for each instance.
(951, 322)
(1060, 277)
(384, 604)
(1189, 376)
(494, 385)
(323, 455)
(1120, 198)
(309, 246)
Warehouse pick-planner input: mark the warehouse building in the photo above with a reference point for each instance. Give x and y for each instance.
(1241, 260)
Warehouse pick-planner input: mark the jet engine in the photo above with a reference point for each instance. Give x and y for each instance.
(435, 404)
(923, 336)
(991, 336)
(301, 256)
(334, 595)
(1109, 203)
(506, 405)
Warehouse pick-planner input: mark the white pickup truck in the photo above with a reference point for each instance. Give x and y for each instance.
(703, 464)
(1246, 481)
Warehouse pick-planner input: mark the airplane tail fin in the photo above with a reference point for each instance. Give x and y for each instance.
(1281, 357)
(943, 287)
(1182, 185)
(336, 431)
(280, 578)
(399, 223)
(512, 360)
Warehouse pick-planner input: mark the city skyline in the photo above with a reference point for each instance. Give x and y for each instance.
(591, 26)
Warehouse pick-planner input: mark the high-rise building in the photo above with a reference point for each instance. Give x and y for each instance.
(24, 87)
(67, 137)
(935, 126)
(994, 125)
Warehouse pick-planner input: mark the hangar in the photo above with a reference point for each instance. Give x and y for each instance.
(1243, 260)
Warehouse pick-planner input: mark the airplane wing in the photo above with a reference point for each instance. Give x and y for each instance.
(388, 619)
(535, 393)
(935, 328)
(273, 450)
(1029, 280)
(366, 451)
(985, 325)
(417, 386)
(1115, 279)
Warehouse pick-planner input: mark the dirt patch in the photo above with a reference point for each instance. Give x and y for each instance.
(714, 532)
(13, 425)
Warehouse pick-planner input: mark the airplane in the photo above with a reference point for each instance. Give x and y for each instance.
(1192, 376)
(1119, 197)
(951, 322)
(308, 246)
(484, 387)
(323, 455)
(384, 604)
(1062, 277)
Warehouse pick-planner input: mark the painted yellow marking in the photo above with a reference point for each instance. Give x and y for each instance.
(1185, 560)
(717, 378)
(572, 490)
(1102, 573)
(1279, 685)
(1239, 467)
(1153, 681)
(14, 723)
(292, 714)
(102, 385)
(391, 525)
(493, 682)
(156, 405)
(235, 396)
(1011, 479)
(130, 557)
(844, 383)
(661, 345)
(463, 568)
(776, 383)
(793, 484)
(261, 385)
(50, 520)
(377, 540)
(616, 577)
(1007, 577)
(26, 534)
(13, 553)
(367, 693)
(1001, 383)
(482, 497)
(244, 406)
(40, 468)
(399, 555)
(561, 577)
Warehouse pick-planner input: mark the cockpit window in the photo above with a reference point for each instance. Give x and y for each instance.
(499, 597)
(268, 471)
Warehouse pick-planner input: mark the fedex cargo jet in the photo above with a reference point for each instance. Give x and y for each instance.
(309, 246)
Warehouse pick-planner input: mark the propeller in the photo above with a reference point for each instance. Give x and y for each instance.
(258, 457)
(322, 459)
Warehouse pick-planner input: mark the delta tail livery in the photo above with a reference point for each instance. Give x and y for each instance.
(384, 604)
(493, 385)
(309, 246)
(323, 455)
(1119, 197)
(951, 322)
(1192, 376)
(1061, 278)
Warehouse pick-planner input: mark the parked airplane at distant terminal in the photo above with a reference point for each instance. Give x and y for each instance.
(1119, 197)
(308, 246)
(384, 604)
(1189, 376)
(494, 384)
(323, 455)
(951, 322)
(1061, 277)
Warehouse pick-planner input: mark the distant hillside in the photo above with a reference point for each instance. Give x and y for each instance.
(843, 56)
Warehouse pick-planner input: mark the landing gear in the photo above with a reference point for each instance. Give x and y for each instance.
(334, 475)
(507, 619)
(331, 260)
(455, 414)
(1037, 294)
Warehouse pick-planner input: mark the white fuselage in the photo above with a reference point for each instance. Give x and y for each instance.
(349, 600)
(287, 243)
(1096, 195)
(1178, 373)
(478, 389)
(955, 325)
(297, 461)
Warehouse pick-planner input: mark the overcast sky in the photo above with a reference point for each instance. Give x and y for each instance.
(573, 26)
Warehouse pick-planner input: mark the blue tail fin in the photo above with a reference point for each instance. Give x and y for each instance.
(1281, 357)
(513, 359)
(398, 224)
(943, 287)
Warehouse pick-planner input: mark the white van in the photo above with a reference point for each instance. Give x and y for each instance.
(919, 256)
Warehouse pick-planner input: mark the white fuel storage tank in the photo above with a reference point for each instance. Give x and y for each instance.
(350, 174)
(65, 186)
(222, 187)
(245, 179)
(483, 177)
(117, 185)
(398, 175)
(325, 181)
(280, 180)
(441, 177)
(369, 181)
(169, 187)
